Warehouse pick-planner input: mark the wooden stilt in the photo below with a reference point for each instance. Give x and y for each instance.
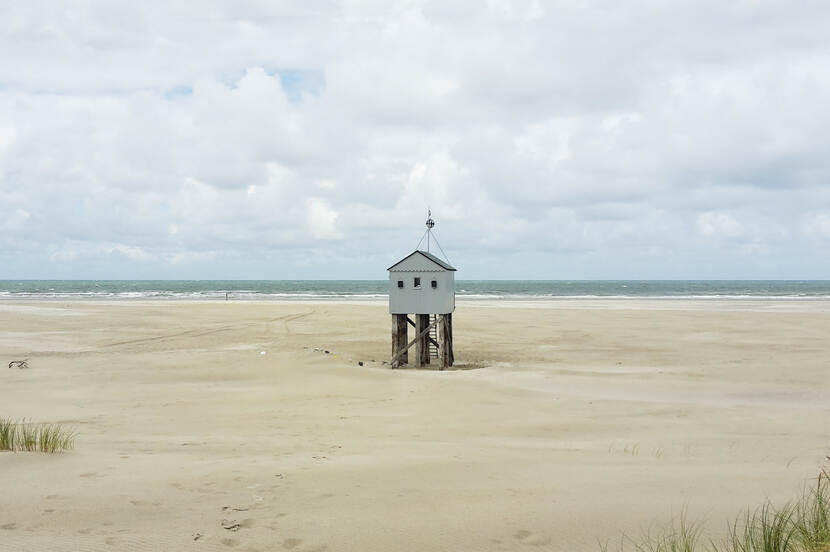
(395, 345)
(423, 352)
(450, 353)
(411, 323)
(419, 343)
(394, 337)
(418, 338)
(403, 337)
(422, 340)
(443, 340)
(399, 338)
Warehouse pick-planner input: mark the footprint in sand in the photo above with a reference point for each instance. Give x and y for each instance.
(290, 544)
(8, 526)
(233, 525)
(531, 539)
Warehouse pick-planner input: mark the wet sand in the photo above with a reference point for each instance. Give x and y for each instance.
(566, 423)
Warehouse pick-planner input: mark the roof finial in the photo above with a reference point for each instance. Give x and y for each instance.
(430, 224)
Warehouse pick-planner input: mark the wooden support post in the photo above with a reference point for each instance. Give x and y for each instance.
(395, 345)
(423, 341)
(400, 353)
(419, 343)
(450, 353)
(443, 339)
(418, 338)
(403, 338)
(411, 323)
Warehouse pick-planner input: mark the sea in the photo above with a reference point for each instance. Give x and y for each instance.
(357, 290)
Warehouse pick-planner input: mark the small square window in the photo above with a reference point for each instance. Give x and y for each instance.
(417, 282)
(435, 284)
(400, 284)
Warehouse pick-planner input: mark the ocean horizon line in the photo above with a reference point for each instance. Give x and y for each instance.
(377, 289)
(6, 280)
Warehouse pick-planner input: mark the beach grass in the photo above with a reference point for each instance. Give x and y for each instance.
(767, 529)
(31, 437)
(680, 535)
(800, 526)
(812, 517)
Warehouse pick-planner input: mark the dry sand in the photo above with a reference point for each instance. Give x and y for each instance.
(570, 422)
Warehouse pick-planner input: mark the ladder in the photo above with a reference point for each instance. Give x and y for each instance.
(433, 334)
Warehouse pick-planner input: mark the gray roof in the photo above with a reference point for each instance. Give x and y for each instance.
(443, 264)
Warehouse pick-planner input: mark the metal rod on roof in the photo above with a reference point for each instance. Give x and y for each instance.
(442, 250)
(421, 240)
(430, 224)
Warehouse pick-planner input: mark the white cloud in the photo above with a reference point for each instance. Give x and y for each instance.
(13, 221)
(321, 219)
(187, 139)
(8, 133)
(72, 250)
(719, 225)
(818, 225)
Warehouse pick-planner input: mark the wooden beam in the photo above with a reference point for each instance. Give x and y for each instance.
(411, 323)
(399, 339)
(444, 337)
(423, 320)
(419, 345)
(394, 334)
(450, 349)
(411, 343)
(403, 338)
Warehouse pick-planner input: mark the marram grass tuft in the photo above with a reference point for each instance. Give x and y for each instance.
(801, 526)
(31, 437)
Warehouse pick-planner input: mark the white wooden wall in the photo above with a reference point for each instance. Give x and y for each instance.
(423, 300)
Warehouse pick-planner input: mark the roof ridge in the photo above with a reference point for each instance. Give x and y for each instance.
(443, 264)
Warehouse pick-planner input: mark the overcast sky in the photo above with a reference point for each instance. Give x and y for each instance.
(552, 140)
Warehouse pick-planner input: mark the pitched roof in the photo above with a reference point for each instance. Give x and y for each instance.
(443, 264)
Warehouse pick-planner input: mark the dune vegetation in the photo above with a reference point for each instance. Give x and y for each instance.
(31, 437)
(802, 525)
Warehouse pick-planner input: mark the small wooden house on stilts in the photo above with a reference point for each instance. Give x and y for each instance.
(423, 285)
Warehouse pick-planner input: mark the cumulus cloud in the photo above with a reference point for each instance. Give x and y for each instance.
(818, 225)
(719, 225)
(289, 140)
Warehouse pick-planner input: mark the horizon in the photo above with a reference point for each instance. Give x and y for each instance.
(378, 289)
(385, 280)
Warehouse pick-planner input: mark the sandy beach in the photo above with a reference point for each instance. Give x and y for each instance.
(219, 426)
